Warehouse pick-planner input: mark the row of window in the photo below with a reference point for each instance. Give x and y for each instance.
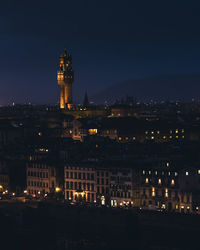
(102, 182)
(79, 168)
(38, 174)
(120, 186)
(36, 165)
(71, 196)
(80, 176)
(121, 194)
(160, 181)
(149, 172)
(38, 184)
(102, 174)
(102, 190)
(79, 185)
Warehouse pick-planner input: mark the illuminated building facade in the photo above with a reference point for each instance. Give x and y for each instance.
(41, 178)
(160, 187)
(65, 78)
(80, 183)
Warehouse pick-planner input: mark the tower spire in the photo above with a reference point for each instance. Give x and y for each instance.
(85, 101)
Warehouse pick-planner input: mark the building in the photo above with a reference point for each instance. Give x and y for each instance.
(65, 78)
(41, 178)
(80, 183)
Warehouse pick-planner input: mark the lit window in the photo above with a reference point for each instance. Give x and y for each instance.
(156, 172)
(40, 133)
(176, 206)
(177, 137)
(183, 136)
(143, 172)
(182, 131)
(199, 171)
(146, 132)
(170, 137)
(176, 131)
(147, 181)
(175, 173)
(172, 182)
(186, 173)
(170, 131)
(153, 191)
(163, 206)
(152, 137)
(159, 181)
(152, 132)
(126, 138)
(167, 164)
(166, 192)
(134, 138)
(149, 172)
(92, 131)
(164, 137)
(120, 138)
(158, 132)
(169, 173)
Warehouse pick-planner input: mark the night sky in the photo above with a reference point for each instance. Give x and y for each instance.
(110, 41)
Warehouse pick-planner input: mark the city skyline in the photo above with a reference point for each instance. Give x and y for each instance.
(108, 46)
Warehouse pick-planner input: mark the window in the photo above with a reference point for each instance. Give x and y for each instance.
(187, 173)
(166, 192)
(153, 191)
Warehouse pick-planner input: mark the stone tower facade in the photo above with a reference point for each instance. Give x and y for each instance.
(65, 78)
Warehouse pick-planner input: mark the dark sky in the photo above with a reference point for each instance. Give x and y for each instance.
(110, 41)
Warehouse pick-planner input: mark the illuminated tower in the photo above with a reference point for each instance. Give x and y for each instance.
(65, 77)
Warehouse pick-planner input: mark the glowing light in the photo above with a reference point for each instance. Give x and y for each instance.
(58, 189)
(166, 192)
(92, 131)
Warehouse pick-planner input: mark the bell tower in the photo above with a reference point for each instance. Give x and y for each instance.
(65, 78)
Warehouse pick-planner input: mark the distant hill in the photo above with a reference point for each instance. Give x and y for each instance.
(178, 87)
